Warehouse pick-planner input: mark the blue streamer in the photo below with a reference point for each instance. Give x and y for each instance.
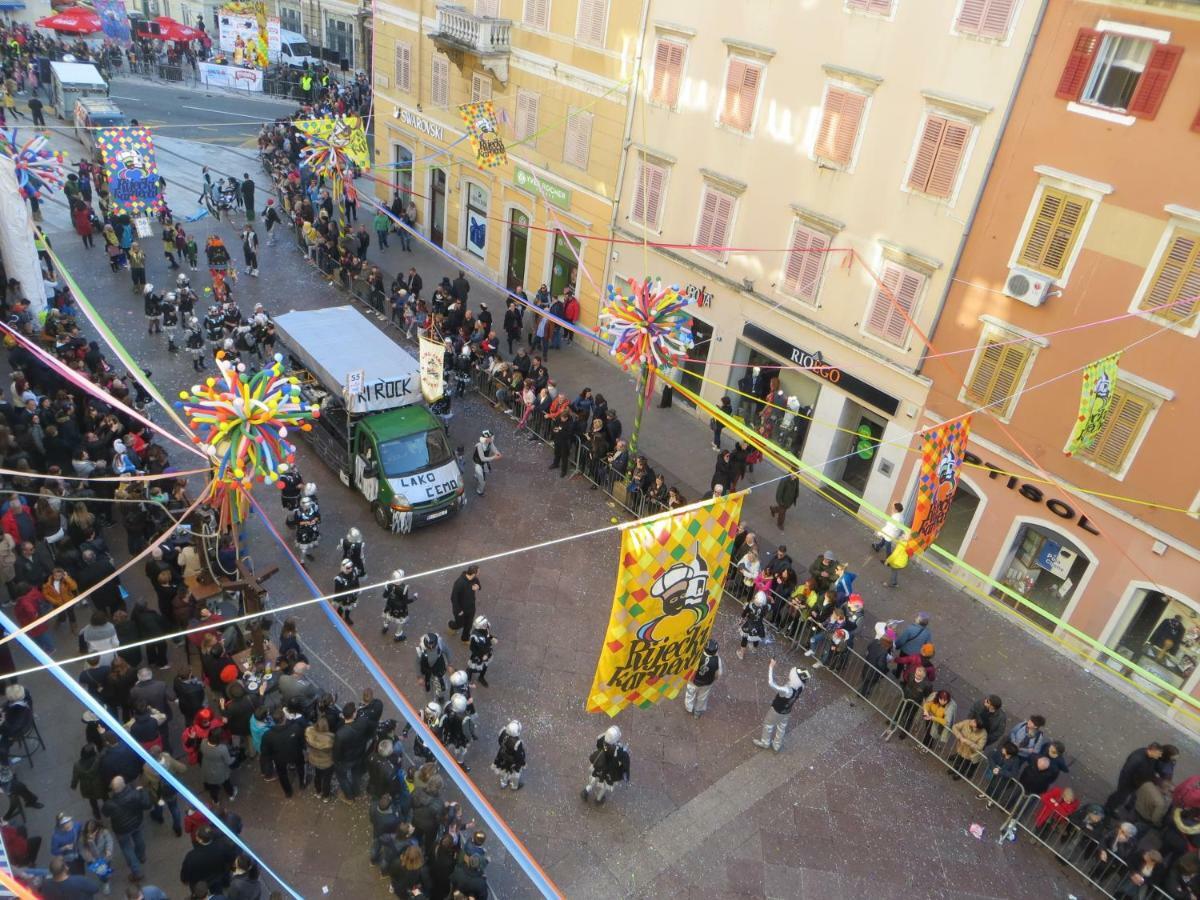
(116, 728)
(530, 867)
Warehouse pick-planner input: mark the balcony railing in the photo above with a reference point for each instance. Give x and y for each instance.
(481, 35)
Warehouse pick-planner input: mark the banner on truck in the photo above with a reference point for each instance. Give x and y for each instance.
(132, 172)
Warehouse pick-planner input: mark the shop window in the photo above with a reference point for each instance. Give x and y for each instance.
(1173, 292)
(1118, 72)
(841, 121)
(716, 217)
(402, 171)
(940, 153)
(648, 192)
(476, 220)
(564, 263)
(985, 18)
(527, 117)
(403, 66)
(1044, 568)
(1127, 417)
(439, 83)
(1163, 636)
(742, 81)
(896, 296)
(1001, 364)
(1054, 231)
(668, 71)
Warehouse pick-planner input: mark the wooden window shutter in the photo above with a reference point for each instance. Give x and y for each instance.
(647, 193)
(578, 141)
(882, 7)
(997, 372)
(1079, 64)
(840, 121)
(1055, 229)
(1156, 78)
(893, 303)
(741, 94)
(986, 18)
(805, 262)
(439, 84)
(403, 66)
(527, 117)
(944, 172)
(668, 69)
(927, 151)
(716, 211)
(1174, 290)
(537, 13)
(589, 27)
(970, 17)
(489, 8)
(1126, 417)
(481, 87)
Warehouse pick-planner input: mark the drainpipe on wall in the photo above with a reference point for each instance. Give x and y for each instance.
(626, 139)
(987, 172)
(420, 48)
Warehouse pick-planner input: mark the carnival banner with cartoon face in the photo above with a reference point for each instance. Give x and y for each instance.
(1095, 400)
(479, 118)
(668, 588)
(942, 450)
(128, 155)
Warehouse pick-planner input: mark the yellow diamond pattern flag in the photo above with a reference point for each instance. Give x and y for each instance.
(668, 588)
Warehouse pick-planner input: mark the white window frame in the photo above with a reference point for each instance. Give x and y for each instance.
(1182, 218)
(642, 157)
(966, 35)
(706, 185)
(604, 32)
(840, 84)
(968, 150)
(1065, 181)
(1156, 395)
(396, 46)
(761, 65)
(914, 313)
(1005, 331)
(686, 45)
(801, 221)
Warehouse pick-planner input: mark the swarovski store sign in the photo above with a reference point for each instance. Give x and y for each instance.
(816, 366)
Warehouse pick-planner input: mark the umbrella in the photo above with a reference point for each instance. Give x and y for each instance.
(170, 30)
(74, 19)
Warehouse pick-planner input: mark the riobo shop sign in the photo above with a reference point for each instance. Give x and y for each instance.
(1035, 495)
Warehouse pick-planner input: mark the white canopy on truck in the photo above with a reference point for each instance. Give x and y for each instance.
(338, 343)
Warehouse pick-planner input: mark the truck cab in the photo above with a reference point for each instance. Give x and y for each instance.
(374, 428)
(92, 113)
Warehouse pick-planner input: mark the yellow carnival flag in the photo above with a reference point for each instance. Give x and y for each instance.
(668, 589)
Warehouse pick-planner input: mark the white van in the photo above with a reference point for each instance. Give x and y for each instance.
(295, 51)
(92, 113)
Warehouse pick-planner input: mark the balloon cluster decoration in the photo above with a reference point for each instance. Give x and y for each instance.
(39, 169)
(241, 421)
(335, 145)
(649, 325)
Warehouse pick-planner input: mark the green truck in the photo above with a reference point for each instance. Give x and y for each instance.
(374, 428)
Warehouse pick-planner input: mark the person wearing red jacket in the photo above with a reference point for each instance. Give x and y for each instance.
(30, 604)
(1057, 805)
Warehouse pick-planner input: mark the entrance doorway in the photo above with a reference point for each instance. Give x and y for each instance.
(958, 520)
(1162, 635)
(437, 206)
(402, 175)
(518, 248)
(1044, 567)
(564, 269)
(856, 447)
(693, 368)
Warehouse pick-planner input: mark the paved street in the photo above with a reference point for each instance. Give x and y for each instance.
(839, 814)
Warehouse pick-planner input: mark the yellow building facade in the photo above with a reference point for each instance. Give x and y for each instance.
(560, 78)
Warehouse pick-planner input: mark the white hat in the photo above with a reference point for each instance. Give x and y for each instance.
(433, 709)
(482, 623)
(760, 599)
(347, 565)
(353, 535)
(397, 575)
(513, 728)
(459, 678)
(797, 677)
(458, 703)
(612, 735)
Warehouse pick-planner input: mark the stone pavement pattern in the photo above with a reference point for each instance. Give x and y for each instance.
(838, 813)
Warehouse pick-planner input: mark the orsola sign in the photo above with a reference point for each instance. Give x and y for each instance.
(433, 129)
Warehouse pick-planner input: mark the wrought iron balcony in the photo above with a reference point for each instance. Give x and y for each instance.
(460, 32)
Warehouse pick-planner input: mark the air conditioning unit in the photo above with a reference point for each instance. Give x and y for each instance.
(1028, 287)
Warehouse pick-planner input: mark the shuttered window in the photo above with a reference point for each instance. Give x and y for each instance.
(1174, 292)
(741, 94)
(527, 117)
(403, 66)
(481, 87)
(893, 302)
(1122, 426)
(648, 193)
(439, 83)
(1079, 64)
(985, 18)
(1054, 231)
(668, 70)
(878, 7)
(537, 14)
(1156, 77)
(489, 8)
(1118, 72)
(940, 152)
(578, 141)
(593, 16)
(841, 118)
(999, 366)
(716, 214)
(804, 263)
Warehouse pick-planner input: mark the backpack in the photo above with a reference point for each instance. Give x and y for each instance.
(899, 557)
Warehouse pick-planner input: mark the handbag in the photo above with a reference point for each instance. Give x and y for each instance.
(101, 868)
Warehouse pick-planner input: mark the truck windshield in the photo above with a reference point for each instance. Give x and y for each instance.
(299, 49)
(414, 452)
